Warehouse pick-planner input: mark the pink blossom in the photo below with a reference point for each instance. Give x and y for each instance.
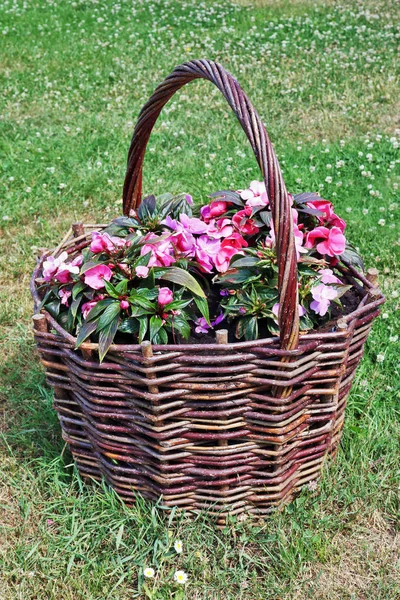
(322, 295)
(332, 241)
(327, 276)
(95, 276)
(189, 199)
(87, 307)
(162, 251)
(219, 229)
(103, 242)
(275, 310)
(142, 271)
(124, 304)
(64, 295)
(213, 210)
(329, 217)
(202, 325)
(256, 195)
(229, 247)
(244, 223)
(206, 250)
(165, 296)
(57, 268)
(192, 224)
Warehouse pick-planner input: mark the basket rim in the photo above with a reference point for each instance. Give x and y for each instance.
(307, 341)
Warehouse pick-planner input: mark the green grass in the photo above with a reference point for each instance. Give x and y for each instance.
(324, 77)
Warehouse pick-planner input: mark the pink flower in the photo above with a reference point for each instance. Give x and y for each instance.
(329, 217)
(244, 223)
(142, 271)
(322, 295)
(213, 210)
(192, 224)
(189, 199)
(95, 276)
(102, 242)
(206, 249)
(87, 307)
(219, 229)
(64, 295)
(202, 325)
(327, 276)
(275, 310)
(165, 296)
(229, 247)
(124, 304)
(256, 195)
(332, 241)
(57, 268)
(162, 251)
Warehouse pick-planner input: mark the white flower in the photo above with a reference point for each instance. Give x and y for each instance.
(381, 222)
(393, 339)
(148, 572)
(365, 211)
(328, 179)
(385, 316)
(178, 546)
(180, 577)
(62, 186)
(380, 358)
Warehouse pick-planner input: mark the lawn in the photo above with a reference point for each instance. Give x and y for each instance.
(324, 76)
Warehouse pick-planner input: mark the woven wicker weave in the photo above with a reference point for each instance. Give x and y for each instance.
(229, 426)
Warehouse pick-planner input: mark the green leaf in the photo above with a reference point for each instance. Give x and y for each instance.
(122, 287)
(85, 331)
(98, 308)
(155, 325)
(130, 325)
(106, 337)
(143, 324)
(109, 314)
(181, 277)
(247, 327)
(111, 289)
(142, 261)
(238, 261)
(177, 305)
(180, 325)
(78, 287)
(161, 337)
(202, 305)
(140, 300)
(53, 308)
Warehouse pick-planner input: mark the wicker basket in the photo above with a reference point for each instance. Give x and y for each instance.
(232, 427)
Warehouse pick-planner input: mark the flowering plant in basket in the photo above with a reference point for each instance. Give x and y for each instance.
(169, 271)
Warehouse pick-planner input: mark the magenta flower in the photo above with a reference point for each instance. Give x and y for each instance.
(214, 210)
(329, 217)
(124, 304)
(192, 224)
(244, 223)
(206, 250)
(229, 247)
(220, 229)
(322, 294)
(161, 248)
(64, 295)
(142, 271)
(95, 276)
(332, 241)
(87, 307)
(102, 242)
(189, 199)
(57, 268)
(201, 325)
(165, 296)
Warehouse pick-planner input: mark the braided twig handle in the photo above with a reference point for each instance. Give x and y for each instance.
(266, 158)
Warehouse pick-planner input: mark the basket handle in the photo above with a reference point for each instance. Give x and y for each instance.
(266, 158)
